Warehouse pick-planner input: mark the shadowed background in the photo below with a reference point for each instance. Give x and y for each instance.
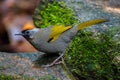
(14, 14)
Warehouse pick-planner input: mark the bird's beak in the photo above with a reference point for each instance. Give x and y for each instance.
(19, 34)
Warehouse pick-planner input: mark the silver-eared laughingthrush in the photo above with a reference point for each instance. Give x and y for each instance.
(55, 39)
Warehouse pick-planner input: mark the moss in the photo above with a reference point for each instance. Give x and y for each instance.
(91, 57)
(10, 77)
(54, 13)
(5, 77)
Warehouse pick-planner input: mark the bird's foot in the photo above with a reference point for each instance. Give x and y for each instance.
(52, 64)
(56, 61)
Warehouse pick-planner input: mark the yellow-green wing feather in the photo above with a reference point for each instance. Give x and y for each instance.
(55, 38)
(90, 23)
(57, 31)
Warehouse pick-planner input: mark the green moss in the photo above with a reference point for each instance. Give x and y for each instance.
(91, 57)
(5, 77)
(54, 13)
(10, 77)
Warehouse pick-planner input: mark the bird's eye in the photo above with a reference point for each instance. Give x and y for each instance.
(27, 32)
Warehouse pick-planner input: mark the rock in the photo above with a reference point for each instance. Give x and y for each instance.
(23, 64)
(115, 3)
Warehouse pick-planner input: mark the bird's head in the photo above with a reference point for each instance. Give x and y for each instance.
(28, 31)
(29, 34)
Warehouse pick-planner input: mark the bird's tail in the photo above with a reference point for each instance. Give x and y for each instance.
(90, 23)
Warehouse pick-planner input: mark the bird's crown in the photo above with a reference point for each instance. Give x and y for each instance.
(28, 26)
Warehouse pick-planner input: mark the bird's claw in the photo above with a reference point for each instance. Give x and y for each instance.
(50, 65)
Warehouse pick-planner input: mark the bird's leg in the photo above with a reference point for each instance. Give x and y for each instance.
(55, 61)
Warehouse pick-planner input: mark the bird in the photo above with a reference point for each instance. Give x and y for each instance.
(55, 39)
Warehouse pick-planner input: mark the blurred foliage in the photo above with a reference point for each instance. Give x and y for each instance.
(51, 13)
(92, 57)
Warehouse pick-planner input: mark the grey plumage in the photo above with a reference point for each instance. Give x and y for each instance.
(41, 38)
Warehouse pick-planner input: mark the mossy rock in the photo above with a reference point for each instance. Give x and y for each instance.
(92, 56)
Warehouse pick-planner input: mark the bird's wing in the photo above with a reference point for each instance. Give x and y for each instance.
(57, 31)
